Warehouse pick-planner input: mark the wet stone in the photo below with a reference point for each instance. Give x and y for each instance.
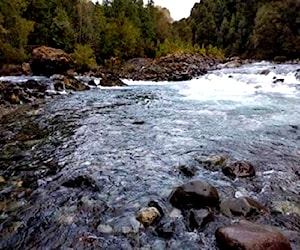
(148, 215)
(242, 206)
(188, 171)
(198, 219)
(286, 207)
(162, 206)
(166, 228)
(239, 169)
(213, 163)
(2, 180)
(250, 236)
(138, 122)
(125, 224)
(82, 181)
(195, 194)
(105, 229)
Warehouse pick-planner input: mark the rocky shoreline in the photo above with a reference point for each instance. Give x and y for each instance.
(60, 77)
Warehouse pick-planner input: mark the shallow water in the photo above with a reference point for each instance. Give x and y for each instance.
(128, 143)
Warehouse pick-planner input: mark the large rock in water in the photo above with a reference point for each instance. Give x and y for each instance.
(195, 194)
(48, 61)
(249, 236)
(111, 80)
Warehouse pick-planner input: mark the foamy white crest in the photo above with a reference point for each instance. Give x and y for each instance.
(238, 87)
(145, 83)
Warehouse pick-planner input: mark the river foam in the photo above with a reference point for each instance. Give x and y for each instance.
(242, 84)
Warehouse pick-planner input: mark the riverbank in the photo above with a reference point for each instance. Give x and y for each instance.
(48, 61)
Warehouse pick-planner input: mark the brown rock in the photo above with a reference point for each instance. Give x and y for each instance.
(239, 169)
(26, 69)
(11, 70)
(195, 194)
(73, 84)
(111, 80)
(48, 61)
(250, 236)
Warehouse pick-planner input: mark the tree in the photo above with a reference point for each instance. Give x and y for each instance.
(273, 32)
(14, 31)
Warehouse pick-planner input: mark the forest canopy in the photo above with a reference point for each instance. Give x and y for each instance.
(131, 28)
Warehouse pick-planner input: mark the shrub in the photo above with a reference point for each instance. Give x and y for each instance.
(84, 58)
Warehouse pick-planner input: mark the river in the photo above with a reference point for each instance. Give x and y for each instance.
(102, 154)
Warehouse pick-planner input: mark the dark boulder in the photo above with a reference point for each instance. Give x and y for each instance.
(188, 171)
(249, 236)
(195, 194)
(48, 61)
(111, 80)
(73, 84)
(265, 72)
(239, 169)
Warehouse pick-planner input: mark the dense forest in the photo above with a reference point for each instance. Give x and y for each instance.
(131, 28)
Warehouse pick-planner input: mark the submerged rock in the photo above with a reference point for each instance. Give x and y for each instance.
(195, 194)
(188, 171)
(265, 72)
(198, 219)
(82, 181)
(239, 169)
(125, 224)
(166, 228)
(148, 215)
(213, 163)
(250, 236)
(286, 207)
(297, 74)
(242, 206)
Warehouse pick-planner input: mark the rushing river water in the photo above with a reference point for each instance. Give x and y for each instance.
(101, 155)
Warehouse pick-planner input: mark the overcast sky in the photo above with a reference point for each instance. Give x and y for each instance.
(178, 8)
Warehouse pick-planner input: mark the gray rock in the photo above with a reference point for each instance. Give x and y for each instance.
(242, 206)
(198, 219)
(126, 224)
